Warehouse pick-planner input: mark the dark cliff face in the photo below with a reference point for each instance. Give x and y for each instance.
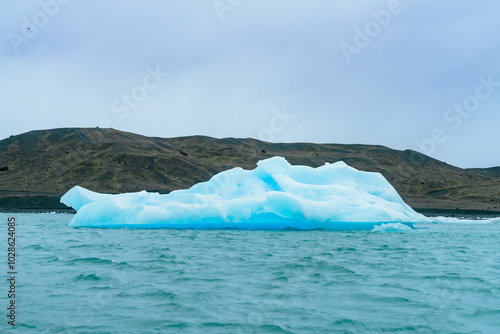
(47, 163)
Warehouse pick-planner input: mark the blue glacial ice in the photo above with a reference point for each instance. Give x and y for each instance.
(274, 195)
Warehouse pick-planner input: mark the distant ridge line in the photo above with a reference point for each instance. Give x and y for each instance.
(44, 164)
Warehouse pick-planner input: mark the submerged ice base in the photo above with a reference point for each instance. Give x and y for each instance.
(275, 195)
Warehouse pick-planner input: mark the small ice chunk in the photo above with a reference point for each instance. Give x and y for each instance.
(392, 227)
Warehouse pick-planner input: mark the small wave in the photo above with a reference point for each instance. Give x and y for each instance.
(90, 277)
(81, 246)
(122, 264)
(34, 246)
(92, 260)
(346, 321)
(158, 294)
(180, 325)
(392, 227)
(346, 249)
(342, 270)
(100, 287)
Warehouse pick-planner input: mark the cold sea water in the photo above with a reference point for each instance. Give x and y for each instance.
(439, 278)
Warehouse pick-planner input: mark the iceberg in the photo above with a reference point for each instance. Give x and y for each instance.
(274, 195)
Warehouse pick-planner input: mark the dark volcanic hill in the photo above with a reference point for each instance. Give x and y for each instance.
(37, 167)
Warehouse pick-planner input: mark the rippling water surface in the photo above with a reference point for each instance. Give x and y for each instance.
(440, 278)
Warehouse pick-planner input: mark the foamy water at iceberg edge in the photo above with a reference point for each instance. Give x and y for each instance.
(393, 227)
(264, 226)
(452, 220)
(274, 195)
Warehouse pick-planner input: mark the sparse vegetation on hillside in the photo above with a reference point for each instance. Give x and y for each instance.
(45, 164)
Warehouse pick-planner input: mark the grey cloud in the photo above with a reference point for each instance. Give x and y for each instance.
(225, 77)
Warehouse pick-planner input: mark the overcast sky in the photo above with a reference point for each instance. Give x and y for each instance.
(423, 75)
